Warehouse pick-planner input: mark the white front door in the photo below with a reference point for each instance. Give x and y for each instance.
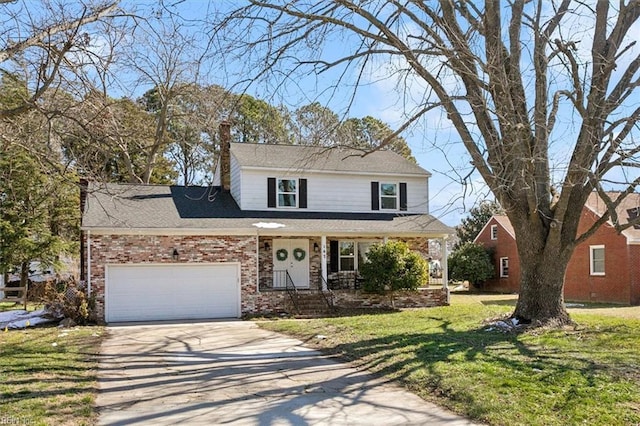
(291, 255)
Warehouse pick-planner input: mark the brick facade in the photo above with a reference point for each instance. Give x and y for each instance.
(620, 284)
(617, 283)
(503, 246)
(141, 249)
(422, 298)
(158, 249)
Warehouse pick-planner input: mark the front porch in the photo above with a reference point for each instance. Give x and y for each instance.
(280, 280)
(325, 263)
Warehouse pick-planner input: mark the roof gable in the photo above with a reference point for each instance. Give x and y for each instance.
(627, 210)
(504, 221)
(324, 159)
(501, 220)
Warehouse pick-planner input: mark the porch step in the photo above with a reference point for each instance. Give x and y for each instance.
(311, 304)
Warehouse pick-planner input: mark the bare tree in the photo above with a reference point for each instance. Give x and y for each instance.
(109, 140)
(521, 82)
(163, 56)
(42, 40)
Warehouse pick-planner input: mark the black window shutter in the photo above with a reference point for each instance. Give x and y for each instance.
(271, 192)
(375, 196)
(403, 196)
(334, 256)
(302, 202)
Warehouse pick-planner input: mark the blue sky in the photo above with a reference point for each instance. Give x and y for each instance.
(434, 143)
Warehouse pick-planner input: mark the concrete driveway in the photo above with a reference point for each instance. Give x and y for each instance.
(235, 373)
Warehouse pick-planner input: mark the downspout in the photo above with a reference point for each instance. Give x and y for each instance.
(88, 264)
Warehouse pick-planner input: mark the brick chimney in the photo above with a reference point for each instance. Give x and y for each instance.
(84, 187)
(225, 155)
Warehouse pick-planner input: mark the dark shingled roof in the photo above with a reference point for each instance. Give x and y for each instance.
(125, 207)
(314, 158)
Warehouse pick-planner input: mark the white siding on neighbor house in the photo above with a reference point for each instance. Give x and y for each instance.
(236, 181)
(332, 192)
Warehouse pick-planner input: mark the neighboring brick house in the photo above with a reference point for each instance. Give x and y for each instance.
(281, 216)
(604, 268)
(498, 235)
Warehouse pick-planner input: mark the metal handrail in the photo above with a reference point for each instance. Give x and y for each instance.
(323, 285)
(292, 291)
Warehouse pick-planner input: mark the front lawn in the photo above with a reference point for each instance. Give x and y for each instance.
(589, 374)
(11, 306)
(48, 375)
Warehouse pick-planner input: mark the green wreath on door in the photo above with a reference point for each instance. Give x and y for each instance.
(282, 255)
(299, 254)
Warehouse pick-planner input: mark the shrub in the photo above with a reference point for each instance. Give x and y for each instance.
(67, 300)
(392, 266)
(471, 262)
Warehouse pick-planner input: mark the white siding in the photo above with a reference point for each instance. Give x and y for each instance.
(236, 181)
(332, 192)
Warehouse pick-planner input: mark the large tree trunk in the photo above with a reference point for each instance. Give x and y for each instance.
(541, 300)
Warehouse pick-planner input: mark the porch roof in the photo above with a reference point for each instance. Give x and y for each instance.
(155, 209)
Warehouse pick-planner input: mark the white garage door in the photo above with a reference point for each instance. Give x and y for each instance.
(170, 292)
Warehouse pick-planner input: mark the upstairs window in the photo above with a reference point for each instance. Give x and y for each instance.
(388, 196)
(287, 193)
(504, 267)
(596, 260)
(494, 232)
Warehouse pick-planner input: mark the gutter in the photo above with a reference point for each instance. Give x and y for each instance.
(281, 231)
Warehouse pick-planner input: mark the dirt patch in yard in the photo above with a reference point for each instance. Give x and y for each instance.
(631, 312)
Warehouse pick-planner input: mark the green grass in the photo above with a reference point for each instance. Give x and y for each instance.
(588, 374)
(11, 306)
(48, 375)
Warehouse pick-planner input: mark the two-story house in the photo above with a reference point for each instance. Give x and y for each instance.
(279, 217)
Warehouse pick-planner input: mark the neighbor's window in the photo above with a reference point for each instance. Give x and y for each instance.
(596, 260)
(389, 196)
(347, 256)
(504, 267)
(494, 232)
(287, 193)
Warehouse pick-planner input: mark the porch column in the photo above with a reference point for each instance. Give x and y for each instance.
(323, 261)
(443, 262)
